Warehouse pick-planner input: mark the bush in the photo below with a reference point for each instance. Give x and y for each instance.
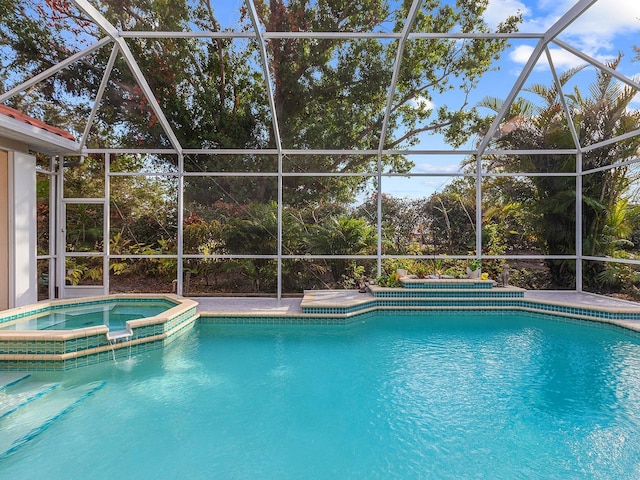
(391, 281)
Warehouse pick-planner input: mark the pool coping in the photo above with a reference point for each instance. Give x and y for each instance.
(349, 304)
(68, 349)
(18, 313)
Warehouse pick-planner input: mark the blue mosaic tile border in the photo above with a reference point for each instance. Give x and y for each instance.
(476, 303)
(484, 293)
(438, 285)
(283, 319)
(357, 318)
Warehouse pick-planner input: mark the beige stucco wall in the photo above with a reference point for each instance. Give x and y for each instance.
(4, 230)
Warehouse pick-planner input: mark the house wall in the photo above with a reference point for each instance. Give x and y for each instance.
(18, 265)
(23, 282)
(4, 229)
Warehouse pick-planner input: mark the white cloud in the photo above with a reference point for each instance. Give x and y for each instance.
(606, 19)
(421, 103)
(454, 167)
(521, 54)
(594, 32)
(542, 14)
(498, 10)
(562, 60)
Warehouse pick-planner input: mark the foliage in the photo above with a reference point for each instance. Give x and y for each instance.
(400, 222)
(329, 93)
(600, 116)
(509, 215)
(618, 277)
(391, 280)
(449, 218)
(475, 264)
(83, 270)
(341, 236)
(529, 278)
(254, 232)
(352, 277)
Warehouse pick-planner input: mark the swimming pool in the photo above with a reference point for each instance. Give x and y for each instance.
(396, 395)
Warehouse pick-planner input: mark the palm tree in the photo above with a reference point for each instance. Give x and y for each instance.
(602, 115)
(342, 235)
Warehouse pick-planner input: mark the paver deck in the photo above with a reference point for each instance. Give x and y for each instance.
(292, 306)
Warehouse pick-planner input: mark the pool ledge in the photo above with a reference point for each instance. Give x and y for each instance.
(347, 306)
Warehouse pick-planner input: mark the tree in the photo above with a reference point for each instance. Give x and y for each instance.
(332, 93)
(329, 93)
(400, 221)
(602, 115)
(450, 220)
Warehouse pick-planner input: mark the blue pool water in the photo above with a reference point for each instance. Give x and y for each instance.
(395, 397)
(114, 314)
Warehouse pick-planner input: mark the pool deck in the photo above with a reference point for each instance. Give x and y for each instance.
(292, 306)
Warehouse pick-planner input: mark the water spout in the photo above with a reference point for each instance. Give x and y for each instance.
(113, 337)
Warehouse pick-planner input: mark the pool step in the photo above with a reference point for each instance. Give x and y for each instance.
(442, 293)
(22, 393)
(8, 379)
(28, 421)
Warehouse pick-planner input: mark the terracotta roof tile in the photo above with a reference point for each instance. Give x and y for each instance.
(13, 113)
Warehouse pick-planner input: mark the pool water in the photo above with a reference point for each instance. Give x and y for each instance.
(395, 397)
(113, 314)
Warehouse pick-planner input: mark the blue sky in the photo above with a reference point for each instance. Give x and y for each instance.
(607, 28)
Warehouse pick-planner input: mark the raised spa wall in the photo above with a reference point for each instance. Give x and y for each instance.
(69, 349)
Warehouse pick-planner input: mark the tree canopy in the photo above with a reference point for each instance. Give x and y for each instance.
(329, 93)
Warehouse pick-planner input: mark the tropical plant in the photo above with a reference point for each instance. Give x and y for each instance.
(392, 280)
(341, 236)
(475, 264)
(602, 115)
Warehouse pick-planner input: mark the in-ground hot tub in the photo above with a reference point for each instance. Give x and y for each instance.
(65, 334)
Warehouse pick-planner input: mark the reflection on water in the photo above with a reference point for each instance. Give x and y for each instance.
(437, 396)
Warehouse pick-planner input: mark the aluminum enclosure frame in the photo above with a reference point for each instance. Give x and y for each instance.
(116, 39)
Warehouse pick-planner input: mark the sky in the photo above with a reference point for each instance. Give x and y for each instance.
(609, 27)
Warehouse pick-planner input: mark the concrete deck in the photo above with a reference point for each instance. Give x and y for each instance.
(582, 299)
(249, 305)
(292, 306)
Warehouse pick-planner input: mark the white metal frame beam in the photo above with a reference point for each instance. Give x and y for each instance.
(555, 30)
(54, 69)
(100, 93)
(331, 35)
(599, 65)
(406, 29)
(112, 32)
(264, 59)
